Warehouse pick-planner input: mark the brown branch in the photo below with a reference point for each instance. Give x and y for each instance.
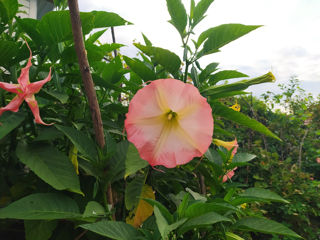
(85, 72)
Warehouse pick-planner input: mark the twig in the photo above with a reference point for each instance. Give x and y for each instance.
(301, 145)
(85, 72)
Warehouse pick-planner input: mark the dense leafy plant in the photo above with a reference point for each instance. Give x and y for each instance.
(65, 186)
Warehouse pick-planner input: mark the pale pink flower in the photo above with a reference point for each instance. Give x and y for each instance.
(229, 175)
(318, 160)
(25, 92)
(169, 122)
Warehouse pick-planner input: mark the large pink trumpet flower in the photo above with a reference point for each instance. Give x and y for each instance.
(25, 92)
(169, 122)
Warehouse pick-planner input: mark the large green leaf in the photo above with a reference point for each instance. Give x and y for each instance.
(207, 71)
(30, 26)
(9, 50)
(263, 225)
(200, 10)
(55, 26)
(9, 121)
(81, 141)
(240, 118)
(140, 69)
(42, 206)
(8, 9)
(169, 60)
(201, 221)
(219, 36)
(133, 161)
(113, 229)
(107, 19)
(178, 15)
(50, 165)
(201, 208)
(239, 85)
(39, 230)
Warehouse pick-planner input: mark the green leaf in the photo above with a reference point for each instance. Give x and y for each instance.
(8, 51)
(146, 40)
(133, 161)
(93, 209)
(55, 26)
(61, 96)
(199, 208)
(81, 141)
(200, 10)
(227, 94)
(164, 211)
(8, 9)
(232, 236)
(140, 69)
(226, 74)
(113, 229)
(30, 26)
(219, 36)
(50, 165)
(263, 194)
(178, 15)
(207, 71)
(169, 60)
(95, 36)
(240, 118)
(264, 226)
(243, 157)
(39, 230)
(183, 205)
(239, 85)
(42, 206)
(161, 223)
(47, 134)
(133, 192)
(107, 19)
(9, 121)
(202, 221)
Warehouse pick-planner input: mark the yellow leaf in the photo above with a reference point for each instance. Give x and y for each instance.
(143, 209)
(73, 156)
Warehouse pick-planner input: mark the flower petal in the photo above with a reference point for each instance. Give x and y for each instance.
(13, 105)
(14, 88)
(33, 104)
(165, 141)
(35, 87)
(23, 79)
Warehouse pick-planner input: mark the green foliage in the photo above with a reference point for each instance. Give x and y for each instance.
(39, 184)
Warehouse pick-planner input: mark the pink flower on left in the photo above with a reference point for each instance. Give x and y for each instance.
(25, 92)
(169, 122)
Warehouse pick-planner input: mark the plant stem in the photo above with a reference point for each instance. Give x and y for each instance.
(85, 72)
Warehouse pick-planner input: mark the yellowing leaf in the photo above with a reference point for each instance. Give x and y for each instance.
(143, 209)
(73, 156)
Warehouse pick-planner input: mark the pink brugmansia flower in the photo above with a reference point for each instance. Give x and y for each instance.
(318, 160)
(229, 175)
(228, 145)
(25, 91)
(169, 122)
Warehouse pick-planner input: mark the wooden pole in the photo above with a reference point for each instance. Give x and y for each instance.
(85, 72)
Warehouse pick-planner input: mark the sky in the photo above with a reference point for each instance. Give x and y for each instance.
(288, 44)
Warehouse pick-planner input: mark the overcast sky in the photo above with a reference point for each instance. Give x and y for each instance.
(288, 44)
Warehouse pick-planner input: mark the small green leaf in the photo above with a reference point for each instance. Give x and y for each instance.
(161, 223)
(226, 74)
(200, 208)
(263, 225)
(140, 69)
(81, 141)
(164, 211)
(243, 157)
(169, 60)
(133, 192)
(202, 221)
(95, 36)
(219, 36)
(94, 209)
(61, 96)
(39, 230)
(107, 19)
(113, 230)
(50, 165)
(178, 15)
(9, 121)
(133, 161)
(200, 10)
(264, 194)
(240, 118)
(42, 206)
(207, 71)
